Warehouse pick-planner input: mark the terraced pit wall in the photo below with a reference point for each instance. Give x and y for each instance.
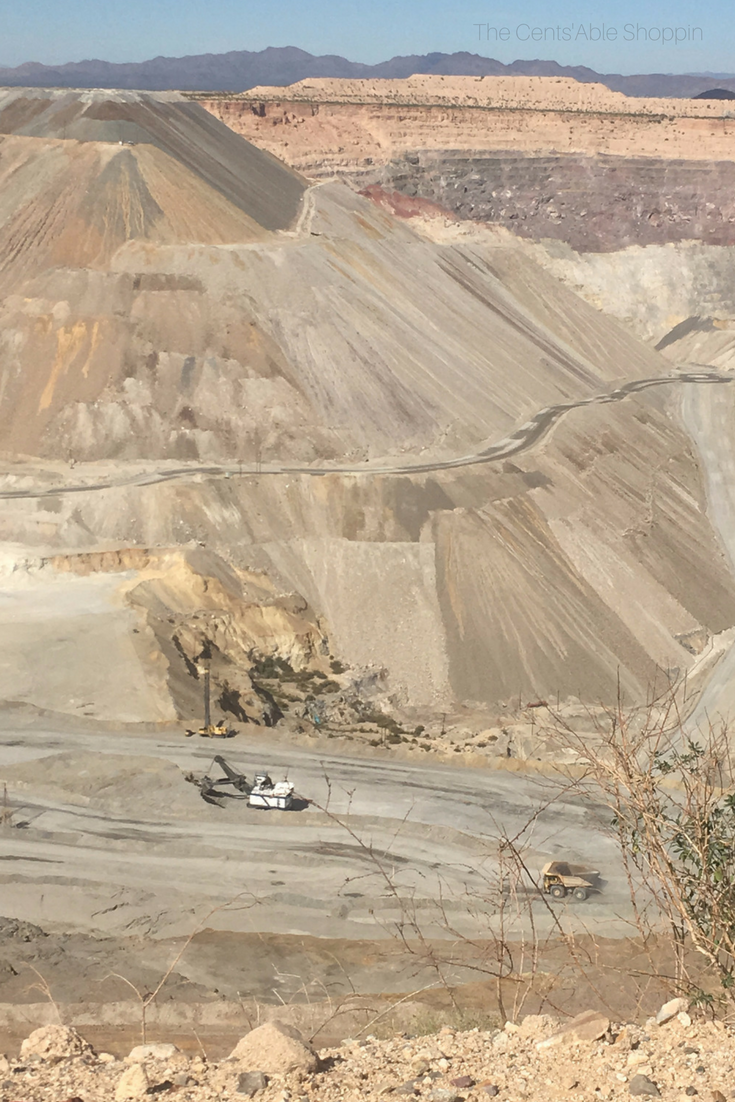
(546, 158)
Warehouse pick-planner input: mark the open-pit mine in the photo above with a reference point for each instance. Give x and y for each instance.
(402, 413)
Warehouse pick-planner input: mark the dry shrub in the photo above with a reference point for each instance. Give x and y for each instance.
(668, 788)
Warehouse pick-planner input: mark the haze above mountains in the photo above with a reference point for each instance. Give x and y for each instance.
(240, 70)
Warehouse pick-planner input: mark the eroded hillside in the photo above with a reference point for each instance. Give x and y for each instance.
(209, 372)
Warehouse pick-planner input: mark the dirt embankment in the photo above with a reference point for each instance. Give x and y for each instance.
(320, 138)
(131, 627)
(542, 1059)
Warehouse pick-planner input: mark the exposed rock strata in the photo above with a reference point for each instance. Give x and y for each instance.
(335, 126)
(548, 158)
(593, 204)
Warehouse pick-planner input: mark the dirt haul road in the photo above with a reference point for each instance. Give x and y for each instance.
(708, 419)
(108, 835)
(521, 440)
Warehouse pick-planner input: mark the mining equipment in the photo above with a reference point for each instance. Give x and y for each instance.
(266, 793)
(209, 729)
(561, 879)
(263, 792)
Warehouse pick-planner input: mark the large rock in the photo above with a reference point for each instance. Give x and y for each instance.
(250, 1082)
(275, 1049)
(152, 1052)
(670, 1010)
(641, 1086)
(53, 1043)
(588, 1026)
(133, 1083)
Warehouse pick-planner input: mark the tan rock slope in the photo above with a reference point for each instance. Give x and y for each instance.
(245, 177)
(121, 632)
(327, 123)
(513, 92)
(285, 328)
(353, 338)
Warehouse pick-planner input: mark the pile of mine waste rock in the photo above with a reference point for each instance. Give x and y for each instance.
(672, 1056)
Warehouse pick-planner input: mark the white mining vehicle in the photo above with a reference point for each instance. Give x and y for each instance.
(266, 793)
(263, 792)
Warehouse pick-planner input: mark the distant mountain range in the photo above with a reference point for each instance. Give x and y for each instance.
(242, 69)
(716, 93)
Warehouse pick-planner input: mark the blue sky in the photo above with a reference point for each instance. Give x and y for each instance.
(54, 31)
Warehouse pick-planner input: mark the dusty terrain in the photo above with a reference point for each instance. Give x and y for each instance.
(542, 1058)
(405, 488)
(508, 92)
(675, 297)
(115, 861)
(112, 813)
(393, 634)
(342, 341)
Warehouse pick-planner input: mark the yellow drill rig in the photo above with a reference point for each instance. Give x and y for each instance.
(209, 729)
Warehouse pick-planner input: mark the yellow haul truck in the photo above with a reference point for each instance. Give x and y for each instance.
(561, 879)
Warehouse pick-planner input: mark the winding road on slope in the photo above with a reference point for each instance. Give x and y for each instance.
(521, 440)
(132, 864)
(709, 423)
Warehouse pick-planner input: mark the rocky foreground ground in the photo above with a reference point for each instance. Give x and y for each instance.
(671, 1056)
